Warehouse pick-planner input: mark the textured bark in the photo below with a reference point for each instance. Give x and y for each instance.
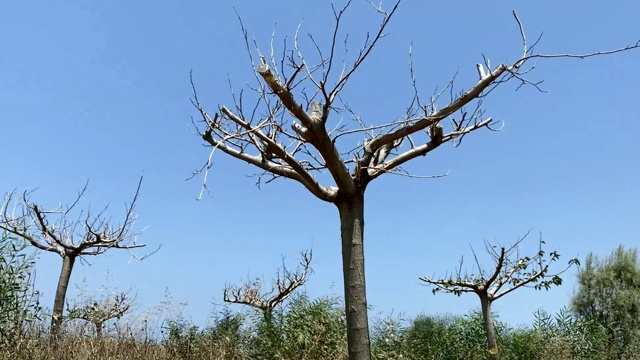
(352, 233)
(489, 330)
(61, 293)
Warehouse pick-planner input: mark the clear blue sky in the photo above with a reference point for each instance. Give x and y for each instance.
(100, 90)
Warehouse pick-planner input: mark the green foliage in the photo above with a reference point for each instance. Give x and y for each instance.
(582, 339)
(388, 338)
(303, 328)
(268, 340)
(309, 329)
(315, 329)
(560, 336)
(427, 337)
(18, 304)
(224, 336)
(183, 339)
(469, 332)
(432, 337)
(609, 295)
(228, 333)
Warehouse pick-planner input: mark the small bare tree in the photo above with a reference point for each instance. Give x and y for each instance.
(99, 311)
(254, 295)
(286, 282)
(56, 232)
(511, 271)
(287, 133)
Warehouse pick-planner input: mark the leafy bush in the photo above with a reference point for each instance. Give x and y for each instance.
(428, 337)
(609, 295)
(224, 337)
(314, 329)
(302, 329)
(19, 305)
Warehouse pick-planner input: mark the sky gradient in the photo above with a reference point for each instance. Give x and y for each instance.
(100, 91)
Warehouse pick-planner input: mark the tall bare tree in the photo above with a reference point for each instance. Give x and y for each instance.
(57, 232)
(511, 271)
(287, 133)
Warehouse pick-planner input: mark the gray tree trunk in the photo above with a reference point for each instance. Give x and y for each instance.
(61, 293)
(352, 233)
(489, 330)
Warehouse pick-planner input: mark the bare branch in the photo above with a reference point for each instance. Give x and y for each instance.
(422, 150)
(99, 311)
(433, 119)
(285, 133)
(311, 129)
(514, 271)
(271, 150)
(284, 285)
(263, 140)
(364, 52)
(87, 235)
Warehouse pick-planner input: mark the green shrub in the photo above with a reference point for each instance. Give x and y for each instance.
(19, 305)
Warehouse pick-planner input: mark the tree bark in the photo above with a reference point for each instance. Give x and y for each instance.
(99, 326)
(351, 210)
(61, 293)
(489, 330)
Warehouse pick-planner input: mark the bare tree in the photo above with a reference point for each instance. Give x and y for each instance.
(99, 311)
(287, 281)
(511, 271)
(286, 133)
(252, 294)
(55, 231)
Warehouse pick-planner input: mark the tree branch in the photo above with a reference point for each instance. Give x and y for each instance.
(432, 119)
(286, 283)
(383, 149)
(97, 234)
(312, 129)
(515, 273)
(293, 171)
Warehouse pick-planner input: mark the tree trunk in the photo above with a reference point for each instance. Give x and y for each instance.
(352, 233)
(61, 293)
(99, 326)
(489, 330)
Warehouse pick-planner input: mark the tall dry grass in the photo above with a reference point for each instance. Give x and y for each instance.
(313, 330)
